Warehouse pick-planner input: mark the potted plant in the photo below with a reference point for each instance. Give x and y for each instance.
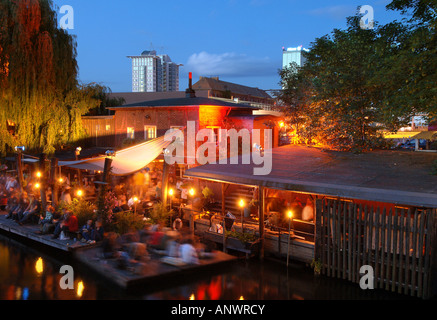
(160, 213)
(240, 240)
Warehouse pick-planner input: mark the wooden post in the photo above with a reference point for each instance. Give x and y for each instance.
(223, 215)
(43, 184)
(318, 231)
(261, 200)
(101, 200)
(20, 169)
(164, 187)
(223, 200)
(54, 181)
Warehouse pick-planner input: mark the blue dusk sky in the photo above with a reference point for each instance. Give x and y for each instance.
(240, 41)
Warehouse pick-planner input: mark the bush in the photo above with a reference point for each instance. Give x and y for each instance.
(160, 213)
(126, 221)
(83, 210)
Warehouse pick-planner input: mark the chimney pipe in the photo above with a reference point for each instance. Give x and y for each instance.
(190, 93)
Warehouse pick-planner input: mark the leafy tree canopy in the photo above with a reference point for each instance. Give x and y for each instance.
(41, 100)
(358, 81)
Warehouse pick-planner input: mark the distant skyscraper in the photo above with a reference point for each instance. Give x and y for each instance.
(154, 73)
(290, 55)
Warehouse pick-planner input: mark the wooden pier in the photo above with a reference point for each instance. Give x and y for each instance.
(157, 269)
(31, 232)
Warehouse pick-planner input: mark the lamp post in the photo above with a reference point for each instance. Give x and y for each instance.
(290, 217)
(242, 205)
(192, 192)
(110, 155)
(79, 174)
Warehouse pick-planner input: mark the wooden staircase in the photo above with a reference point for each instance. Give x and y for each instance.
(232, 199)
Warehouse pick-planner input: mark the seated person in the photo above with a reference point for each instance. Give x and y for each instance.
(18, 211)
(47, 222)
(86, 231)
(31, 211)
(98, 232)
(67, 225)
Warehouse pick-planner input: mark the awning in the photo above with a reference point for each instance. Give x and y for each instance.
(126, 161)
(426, 135)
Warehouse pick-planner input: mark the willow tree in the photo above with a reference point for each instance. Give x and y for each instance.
(41, 100)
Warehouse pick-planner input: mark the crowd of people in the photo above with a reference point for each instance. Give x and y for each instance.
(134, 248)
(24, 206)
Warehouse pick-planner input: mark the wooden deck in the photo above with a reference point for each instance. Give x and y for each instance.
(31, 232)
(156, 269)
(152, 271)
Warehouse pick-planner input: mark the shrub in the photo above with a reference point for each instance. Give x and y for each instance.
(126, 221)
(83, 210)
(160, 213)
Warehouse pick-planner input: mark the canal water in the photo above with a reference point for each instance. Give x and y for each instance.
(29, 272)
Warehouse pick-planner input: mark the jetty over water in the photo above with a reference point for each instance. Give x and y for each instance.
(156, 268)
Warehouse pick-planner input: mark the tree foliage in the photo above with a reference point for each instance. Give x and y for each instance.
(41, 100)
(358, 81)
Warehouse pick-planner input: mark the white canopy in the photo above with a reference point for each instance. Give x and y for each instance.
(126, 161)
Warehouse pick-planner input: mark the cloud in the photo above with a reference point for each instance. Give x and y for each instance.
(230, 64)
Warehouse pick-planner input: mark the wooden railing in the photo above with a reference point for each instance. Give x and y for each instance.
(398, 243)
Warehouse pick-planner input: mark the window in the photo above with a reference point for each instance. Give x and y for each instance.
(108, 127)
(149, 132)
(130, 132)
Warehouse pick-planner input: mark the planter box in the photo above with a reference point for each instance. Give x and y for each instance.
(233, 243)
(247, 247)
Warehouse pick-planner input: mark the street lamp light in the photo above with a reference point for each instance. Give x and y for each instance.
(135, 204)
(242, 204)
(192, 192)
(110, 154)
(290, 217)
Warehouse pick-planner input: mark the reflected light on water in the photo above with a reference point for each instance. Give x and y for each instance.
(39, 267)
(80, 289)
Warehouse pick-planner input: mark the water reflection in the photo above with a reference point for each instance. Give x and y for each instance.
(27, 274)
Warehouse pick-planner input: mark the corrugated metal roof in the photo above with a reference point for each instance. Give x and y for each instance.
(398, 177)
